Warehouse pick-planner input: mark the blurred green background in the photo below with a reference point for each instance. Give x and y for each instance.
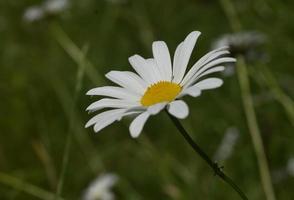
(46, 67)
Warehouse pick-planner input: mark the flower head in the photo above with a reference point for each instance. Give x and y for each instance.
(290, 166)
(245, 43)
(227, 145)
(100, 188)
(248, 44)
(158, 83)
(46, 9)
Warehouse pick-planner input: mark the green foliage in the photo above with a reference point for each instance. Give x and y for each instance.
(41, 95)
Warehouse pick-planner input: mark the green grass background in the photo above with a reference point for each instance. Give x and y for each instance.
(41, 96)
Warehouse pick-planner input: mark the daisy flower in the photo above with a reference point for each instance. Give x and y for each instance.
(156, 84)
(100, 188)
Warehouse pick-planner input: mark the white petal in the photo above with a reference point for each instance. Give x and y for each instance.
(204, 60)
(218, 61)
(203, 73)
(104, 115)
(138, 123)
(177, 62)
(155, 71)
(212, 70)
(179, 109)
(140, 66)
(111, 103)
(192, 91)
(162, 58)
(106, 122)
(128, 80)
(214, 56)
(115, 92)
(182, 56)
(209, 83)
(109, 120)
(155, 109)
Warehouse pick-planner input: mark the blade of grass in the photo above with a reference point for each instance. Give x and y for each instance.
(248, 106)
(80, 135)
(46, 161)
(75, 52)
(278, 93)
(79, 79)
(28, 188)
(77, 55)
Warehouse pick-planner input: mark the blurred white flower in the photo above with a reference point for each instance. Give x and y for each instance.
(290, 166)
(47, 8)
(245, 43)
(227, 145)
(240, 43)
(100, 188)
(157, 84)
(55, 6)
(284, 172)
(33, 13)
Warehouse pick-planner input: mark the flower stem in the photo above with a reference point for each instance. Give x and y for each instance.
(215, 167)
(82, 64)
(26, 187)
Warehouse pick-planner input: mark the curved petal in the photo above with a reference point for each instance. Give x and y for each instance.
(140, 66)
(209, 83)
(155, 71)
(138, 123)
(212, 70)
(177, 62)
(179, 109)
(218, 61)
(182, 56)
(115, 92)
(210, 56)
(111, 103)
(192, 91)
(104, 115)
(203, 73)
(162, 58)
(106, 121)
(155, 109)
(128, 80)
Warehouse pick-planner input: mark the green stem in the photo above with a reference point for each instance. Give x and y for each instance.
(244, 82)
(254, 129)
(278, 93)
(26, 187)
(75, 52)
(217, 170)
(79, 79)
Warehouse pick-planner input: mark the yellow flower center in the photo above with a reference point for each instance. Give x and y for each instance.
(163, 91)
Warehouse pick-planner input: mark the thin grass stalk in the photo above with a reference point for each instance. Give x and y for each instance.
(254, 129)
(244, 82)
(26, 187)
(79, 79)
(278, 93)
(75, 52)
(46, 161)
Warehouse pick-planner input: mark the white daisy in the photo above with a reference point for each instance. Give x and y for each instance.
(46, 9)
(157, 84)
(100, 188)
